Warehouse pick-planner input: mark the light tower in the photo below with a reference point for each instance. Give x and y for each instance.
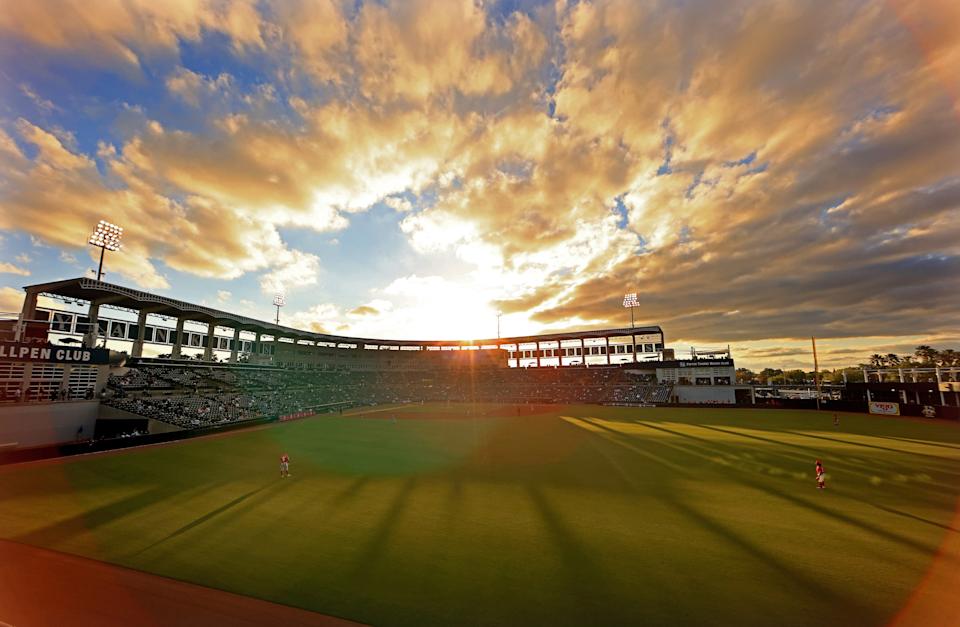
(279, 301)
(106, 236)
(630, 302)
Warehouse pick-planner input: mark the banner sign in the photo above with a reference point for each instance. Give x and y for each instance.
(295, 416)
(19, 351)
(693, 363)
(886, 409)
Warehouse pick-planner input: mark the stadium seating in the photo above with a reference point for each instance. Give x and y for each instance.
(198, 396)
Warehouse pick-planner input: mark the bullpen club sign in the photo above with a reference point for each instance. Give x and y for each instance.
(14, 351)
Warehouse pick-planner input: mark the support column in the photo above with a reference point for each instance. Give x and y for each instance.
(93, 331)
(276, 347)
(943, 401)
(177, 340)
(753, 396)
(236, 345)
(538, 354)
(137, 350)
(900, 372)
(606, 341)
(63, 394)
(27, 379)
(583, 351)
(208, 345)
(27, 312)
(869, 397)
(633, 338)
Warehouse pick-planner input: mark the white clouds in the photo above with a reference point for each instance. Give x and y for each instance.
(398, 204)
(41, 103)
(9, 268)
(296, 270)
(194, 88)
(321, 318)
(223, 297)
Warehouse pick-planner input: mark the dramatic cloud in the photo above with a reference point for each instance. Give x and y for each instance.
(756, 171)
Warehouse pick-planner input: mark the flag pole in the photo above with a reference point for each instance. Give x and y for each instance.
(816, 370)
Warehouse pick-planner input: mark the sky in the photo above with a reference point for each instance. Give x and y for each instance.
(758, 172)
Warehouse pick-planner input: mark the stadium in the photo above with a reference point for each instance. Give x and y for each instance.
(494, 313)
(583, 477)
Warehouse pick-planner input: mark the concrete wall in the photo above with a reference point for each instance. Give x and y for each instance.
(722, 394)
(36, 424)
(153, 426)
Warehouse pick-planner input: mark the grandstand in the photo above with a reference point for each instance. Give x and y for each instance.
(155, 364)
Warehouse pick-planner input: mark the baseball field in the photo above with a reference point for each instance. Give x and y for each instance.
(545, 515)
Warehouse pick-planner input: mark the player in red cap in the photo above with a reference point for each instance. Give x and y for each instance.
(821, 478)
(284, 465)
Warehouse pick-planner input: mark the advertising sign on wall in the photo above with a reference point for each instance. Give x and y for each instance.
(886, 409)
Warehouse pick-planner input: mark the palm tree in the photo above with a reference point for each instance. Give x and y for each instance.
(949, 357)
(877, 361)
(892, 360)
(926, 354)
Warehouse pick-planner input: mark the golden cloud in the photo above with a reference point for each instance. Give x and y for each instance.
(795, 163)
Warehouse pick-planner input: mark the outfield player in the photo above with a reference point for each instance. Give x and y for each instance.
(821, 478)
(284, 465)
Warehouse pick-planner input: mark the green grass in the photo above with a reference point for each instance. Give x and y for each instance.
(588, 515)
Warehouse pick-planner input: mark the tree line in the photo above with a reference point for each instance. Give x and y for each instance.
(923, 357)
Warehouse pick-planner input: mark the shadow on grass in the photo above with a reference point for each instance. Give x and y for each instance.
(955, 447)
(898, 512)
(621, 439)
(202, 519)
(380, 535)
(584, 578)
(865, 445)
(92, 519)
(794, 577)
(811, 453)
(747, 479)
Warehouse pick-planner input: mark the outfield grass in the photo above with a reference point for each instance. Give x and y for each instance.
(582, 515)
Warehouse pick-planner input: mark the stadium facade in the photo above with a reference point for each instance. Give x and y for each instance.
(105, 355)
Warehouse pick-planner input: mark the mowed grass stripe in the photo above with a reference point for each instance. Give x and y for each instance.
(493, 514)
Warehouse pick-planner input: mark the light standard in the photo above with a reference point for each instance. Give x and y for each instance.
(630, 301)
(106, 236)
(279, 301)
(498, 324)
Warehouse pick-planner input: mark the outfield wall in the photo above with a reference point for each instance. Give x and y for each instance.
(705, 394)
(38, 424)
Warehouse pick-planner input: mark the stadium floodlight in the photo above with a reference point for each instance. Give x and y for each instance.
(279, 300)
(106, 236)
(630, 301)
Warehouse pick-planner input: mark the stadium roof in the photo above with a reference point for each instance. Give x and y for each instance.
(84, 289)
